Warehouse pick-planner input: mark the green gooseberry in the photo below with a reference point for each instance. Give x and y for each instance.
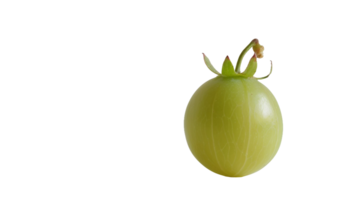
(233, 124)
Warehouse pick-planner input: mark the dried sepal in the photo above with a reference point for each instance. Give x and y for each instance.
(209, 65)
(270, 71)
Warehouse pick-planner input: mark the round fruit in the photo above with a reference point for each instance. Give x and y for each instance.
(233, 123)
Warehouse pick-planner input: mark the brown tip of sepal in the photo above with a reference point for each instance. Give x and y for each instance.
(227, 56)
(254, 55)
(203, 54)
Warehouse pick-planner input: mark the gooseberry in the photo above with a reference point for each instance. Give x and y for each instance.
(233, 124)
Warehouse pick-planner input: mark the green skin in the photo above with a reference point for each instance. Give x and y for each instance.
(233, 123)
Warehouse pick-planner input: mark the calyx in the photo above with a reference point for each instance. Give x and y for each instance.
(228, 69)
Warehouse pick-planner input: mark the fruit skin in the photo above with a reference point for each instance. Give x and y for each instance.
(233, 125)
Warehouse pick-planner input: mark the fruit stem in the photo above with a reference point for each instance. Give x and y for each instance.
(244, 52)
